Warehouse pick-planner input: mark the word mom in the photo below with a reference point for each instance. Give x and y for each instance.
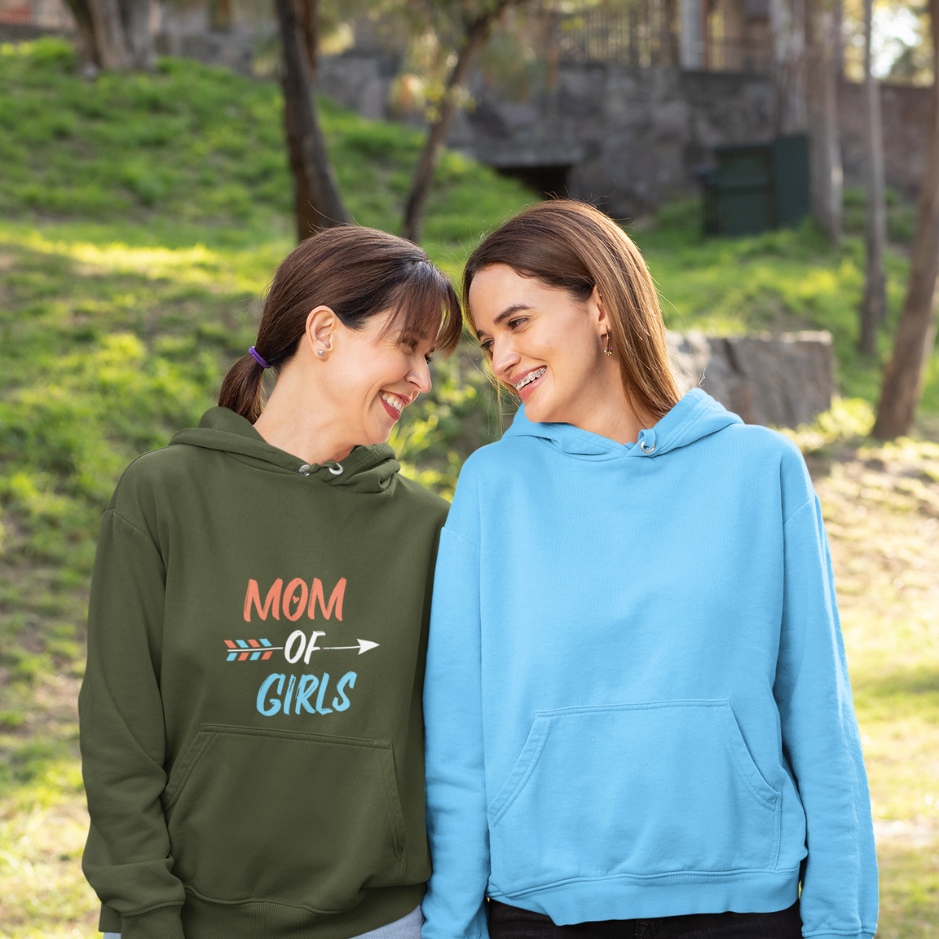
(293, 602)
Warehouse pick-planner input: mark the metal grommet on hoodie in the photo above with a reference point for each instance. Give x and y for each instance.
(305, 470)
(337, 471)
(647, 441)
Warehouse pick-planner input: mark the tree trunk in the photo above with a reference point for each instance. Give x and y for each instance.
(473, 41)
(308, 16)
(135, 16)
(903, 377)
(317, 200)
(110, 39)
(874, 304)
(787, 18)
(114, 33)
(825, 177)
(87, 43)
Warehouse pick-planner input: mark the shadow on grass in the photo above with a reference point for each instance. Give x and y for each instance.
(898, 686)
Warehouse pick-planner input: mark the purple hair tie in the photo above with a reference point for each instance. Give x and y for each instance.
(257, 357)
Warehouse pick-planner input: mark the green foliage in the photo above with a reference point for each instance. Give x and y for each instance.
(199, 145)
(901, 215)
(848, 419)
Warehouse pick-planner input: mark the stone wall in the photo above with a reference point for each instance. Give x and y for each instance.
(628, 137)
(905, 110)
(782, 381)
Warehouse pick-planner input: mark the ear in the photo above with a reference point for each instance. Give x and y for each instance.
(597, 309)
(321, 327)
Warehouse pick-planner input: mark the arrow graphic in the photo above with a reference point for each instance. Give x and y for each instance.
(363, 646)
(263, 647)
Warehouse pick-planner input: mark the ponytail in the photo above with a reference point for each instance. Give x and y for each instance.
(242, 389)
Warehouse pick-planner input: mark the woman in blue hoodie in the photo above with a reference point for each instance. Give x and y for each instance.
(637, 707)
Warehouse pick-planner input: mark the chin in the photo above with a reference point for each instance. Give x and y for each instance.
(541, 414)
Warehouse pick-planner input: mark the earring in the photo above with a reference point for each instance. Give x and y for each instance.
(319, 351)
(608, 345)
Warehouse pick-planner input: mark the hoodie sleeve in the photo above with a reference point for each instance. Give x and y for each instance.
(126, 858)
(457, 824)
(820, 736)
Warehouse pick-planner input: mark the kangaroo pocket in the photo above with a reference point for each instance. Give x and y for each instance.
(640, 789)
(304, 819)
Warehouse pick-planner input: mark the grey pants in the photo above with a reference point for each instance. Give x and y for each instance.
(408, 927)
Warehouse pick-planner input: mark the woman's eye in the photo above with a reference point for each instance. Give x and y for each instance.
(516, 322)
(486, 346)
(428, 358)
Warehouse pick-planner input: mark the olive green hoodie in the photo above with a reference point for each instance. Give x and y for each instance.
(251, 724)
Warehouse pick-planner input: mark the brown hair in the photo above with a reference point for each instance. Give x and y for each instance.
(575, 247)
(357, 272)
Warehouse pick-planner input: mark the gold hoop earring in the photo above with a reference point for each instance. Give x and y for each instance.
(608, 346)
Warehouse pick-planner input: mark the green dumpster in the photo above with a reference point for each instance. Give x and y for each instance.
(756, 187)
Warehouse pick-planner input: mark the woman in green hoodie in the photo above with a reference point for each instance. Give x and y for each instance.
(251, 723)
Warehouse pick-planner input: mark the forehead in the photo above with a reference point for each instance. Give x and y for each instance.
(402, 326)
(497, 288)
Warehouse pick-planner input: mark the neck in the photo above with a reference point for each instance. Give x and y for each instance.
(293, 422)
(607, 411)
(623, 426)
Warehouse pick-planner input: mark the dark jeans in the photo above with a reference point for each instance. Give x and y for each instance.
(509, 922)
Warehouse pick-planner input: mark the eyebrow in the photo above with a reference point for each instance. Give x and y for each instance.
(508, 311)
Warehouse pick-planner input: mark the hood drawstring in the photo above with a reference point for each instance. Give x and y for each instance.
(307, 468)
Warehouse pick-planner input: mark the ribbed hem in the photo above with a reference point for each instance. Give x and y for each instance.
(163, 923)
(864, 934)
(260, 919)
(634, 897)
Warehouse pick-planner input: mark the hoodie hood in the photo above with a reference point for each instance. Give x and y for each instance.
(695, 416)
(365, 469)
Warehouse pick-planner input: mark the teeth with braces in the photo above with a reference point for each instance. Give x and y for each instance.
(530, 377)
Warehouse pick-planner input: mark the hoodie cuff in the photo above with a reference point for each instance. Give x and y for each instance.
(163, 923)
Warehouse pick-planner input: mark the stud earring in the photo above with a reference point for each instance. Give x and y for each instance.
(608, 345)
(319, 351)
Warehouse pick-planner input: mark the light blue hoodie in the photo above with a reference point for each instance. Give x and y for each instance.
(637, 703)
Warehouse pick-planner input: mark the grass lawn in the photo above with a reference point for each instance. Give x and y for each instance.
(142, 217)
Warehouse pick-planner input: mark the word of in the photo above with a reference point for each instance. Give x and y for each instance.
(292, 602)
(272, 700)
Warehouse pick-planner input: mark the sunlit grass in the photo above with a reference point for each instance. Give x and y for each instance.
(42, 833)
(246, 269)
(909, 890)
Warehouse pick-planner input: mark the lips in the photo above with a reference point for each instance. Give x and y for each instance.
(392, 403)
(529, 381)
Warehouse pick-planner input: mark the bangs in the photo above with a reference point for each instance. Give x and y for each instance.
(426, 307)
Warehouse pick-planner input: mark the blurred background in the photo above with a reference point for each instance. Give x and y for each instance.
(776, 161)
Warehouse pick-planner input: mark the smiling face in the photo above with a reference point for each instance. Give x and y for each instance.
(548, 345)
(372, 377)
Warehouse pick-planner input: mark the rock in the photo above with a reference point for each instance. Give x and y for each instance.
(782, 380)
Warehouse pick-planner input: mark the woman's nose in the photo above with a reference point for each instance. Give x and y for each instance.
(504, 357)
(419, 376)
